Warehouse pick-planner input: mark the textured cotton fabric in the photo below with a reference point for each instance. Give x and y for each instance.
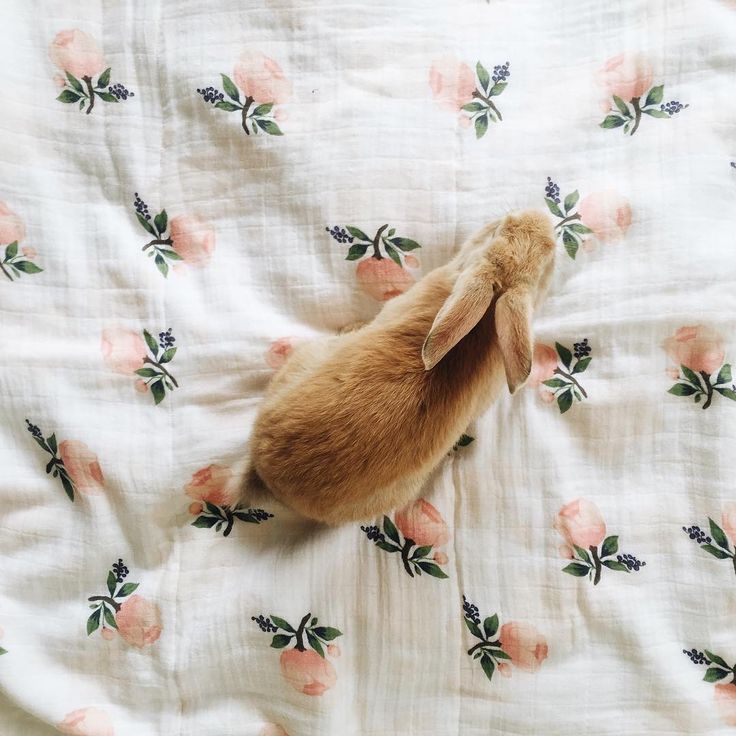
(120, 456)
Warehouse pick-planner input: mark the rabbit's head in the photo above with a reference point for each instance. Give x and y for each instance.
(507, 266)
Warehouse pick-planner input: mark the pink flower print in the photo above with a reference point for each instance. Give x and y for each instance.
(626, 76)
(184, 239)
(544, 363)
(452, 83)
(141, 386)
(272, 729)
(422, 523)
(581, 523)
(381, 274)
(607, 214)
(304, 667)
(423, 528)
(697, 351)
(382, 280)
(86, 722)
(307, 672)
(107, 633)
(123, 350)
(504, 668)
(279, 351)
(625, 79)
(728, 520)
(524, 644)
(29, 252)
(261, 78)
(725, 699)
(333, 650)
(76, 52)
(455, 88)
(139, 621)
(566, 552)
(11, 226)
(82, 466)
(698, 347)
(213, 484)
(193, 239)
(263, 85)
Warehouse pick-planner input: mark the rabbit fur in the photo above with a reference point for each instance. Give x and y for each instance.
(352, 425)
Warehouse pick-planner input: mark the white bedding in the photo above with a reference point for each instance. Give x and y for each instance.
(368, 97)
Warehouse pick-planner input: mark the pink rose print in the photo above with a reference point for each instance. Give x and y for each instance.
(697, 350)
(12, 230)
(139, 621)
(213, 490)
(379, 277)
(263, 84)
(76, 53)
(718, 669)
(583, 528)
(136, 619)
(82, 466)
(626, 78)
(272, 729)
(423, 528)
(454, 87)
(72, 462)
(524, 644)
(517, 643)
(185, 239)
(452, 83)
(124, 351)
(721, 550)
(279, 350)
(306, 670)
(333, 650)
(86, 722)
(605, 215)
(725, 697)
(566, 388)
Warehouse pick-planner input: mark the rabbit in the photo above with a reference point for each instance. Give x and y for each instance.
(353, 424)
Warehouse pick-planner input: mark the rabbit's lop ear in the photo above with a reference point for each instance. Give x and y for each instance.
(513, 327)
(462, 310)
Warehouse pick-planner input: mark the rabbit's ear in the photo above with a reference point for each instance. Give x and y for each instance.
(513, 327)
(463, 309)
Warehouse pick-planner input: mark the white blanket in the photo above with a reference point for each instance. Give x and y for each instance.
(133, 599)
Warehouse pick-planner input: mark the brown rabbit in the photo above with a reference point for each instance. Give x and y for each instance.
(352, 425)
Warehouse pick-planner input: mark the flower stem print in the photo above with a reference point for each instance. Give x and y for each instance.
(482, 109)
(305, 666)
(55, 465)
(380, 276)
(488, 649)
(721, 550)
(210, 515)
(12, 229)
(569, 228)
(157, 378)
(702, 373)
(185, 238)
(137, 620)
(76, 53)
(565, 386)
(584, 530)
(516, 643)
(627, 80)
(263, 85)
(423, 529)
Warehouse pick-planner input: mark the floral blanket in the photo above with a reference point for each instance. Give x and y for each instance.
(189, 189)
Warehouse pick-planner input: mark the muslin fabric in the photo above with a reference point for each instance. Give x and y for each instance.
(168, 234)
